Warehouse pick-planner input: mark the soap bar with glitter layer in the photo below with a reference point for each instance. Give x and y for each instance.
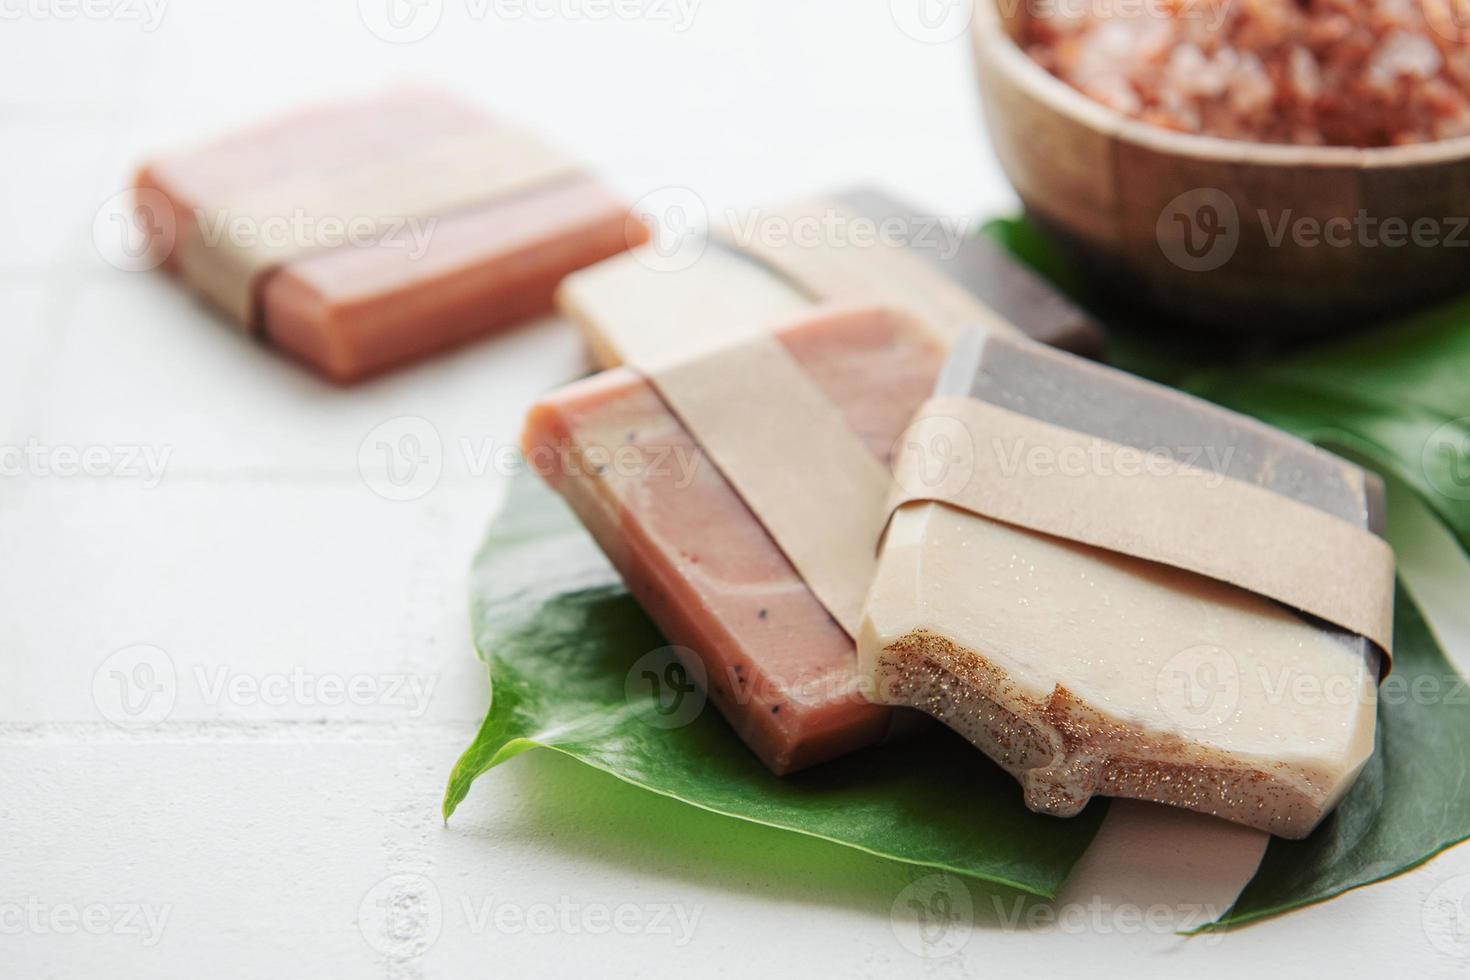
(1085, 672)
(777, 666)
(414, 286)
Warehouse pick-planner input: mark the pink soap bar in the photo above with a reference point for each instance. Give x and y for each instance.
(350, 311)
(355, 311)
(777, 666)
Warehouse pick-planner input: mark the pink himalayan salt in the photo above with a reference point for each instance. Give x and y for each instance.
(1334, 72)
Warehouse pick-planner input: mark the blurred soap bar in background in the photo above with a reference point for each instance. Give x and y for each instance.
(361, 235)
(863, 246)
(704, 568)
(1084, 671)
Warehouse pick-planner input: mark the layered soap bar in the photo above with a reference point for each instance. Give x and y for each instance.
(778, 666)
(985, 270)
(411, 284)
(741, 283)
(1083, 671)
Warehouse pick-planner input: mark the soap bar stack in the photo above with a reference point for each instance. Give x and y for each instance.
(1083, 670)
(358, 236)
(881, 251)
(703, 566)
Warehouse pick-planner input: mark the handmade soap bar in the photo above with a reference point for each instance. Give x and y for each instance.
(1083, 671)
(778, 666)
(761, 268)
(359, 236)
(724, 296)
(987, 271)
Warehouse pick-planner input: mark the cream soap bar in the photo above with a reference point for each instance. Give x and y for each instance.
(735, 289)
(1082, 671)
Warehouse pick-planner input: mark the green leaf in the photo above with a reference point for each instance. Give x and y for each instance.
(1407, 806)
(1396, 398)
(561, 635)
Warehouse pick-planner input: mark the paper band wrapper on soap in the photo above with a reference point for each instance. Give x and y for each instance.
(786, 449)
(418, 183)
(746, 279)
(1155, 508)
(876, 272)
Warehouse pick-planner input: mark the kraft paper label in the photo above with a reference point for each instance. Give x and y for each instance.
(228, 245)
(784, 447)
(961, 452)
(837, 266)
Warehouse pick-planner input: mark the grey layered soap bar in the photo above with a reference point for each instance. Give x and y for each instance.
(1083, 671)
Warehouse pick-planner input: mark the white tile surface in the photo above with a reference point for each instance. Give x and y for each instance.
(264, 817)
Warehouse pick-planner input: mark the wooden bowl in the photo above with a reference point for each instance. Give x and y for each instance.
(1192, 225)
